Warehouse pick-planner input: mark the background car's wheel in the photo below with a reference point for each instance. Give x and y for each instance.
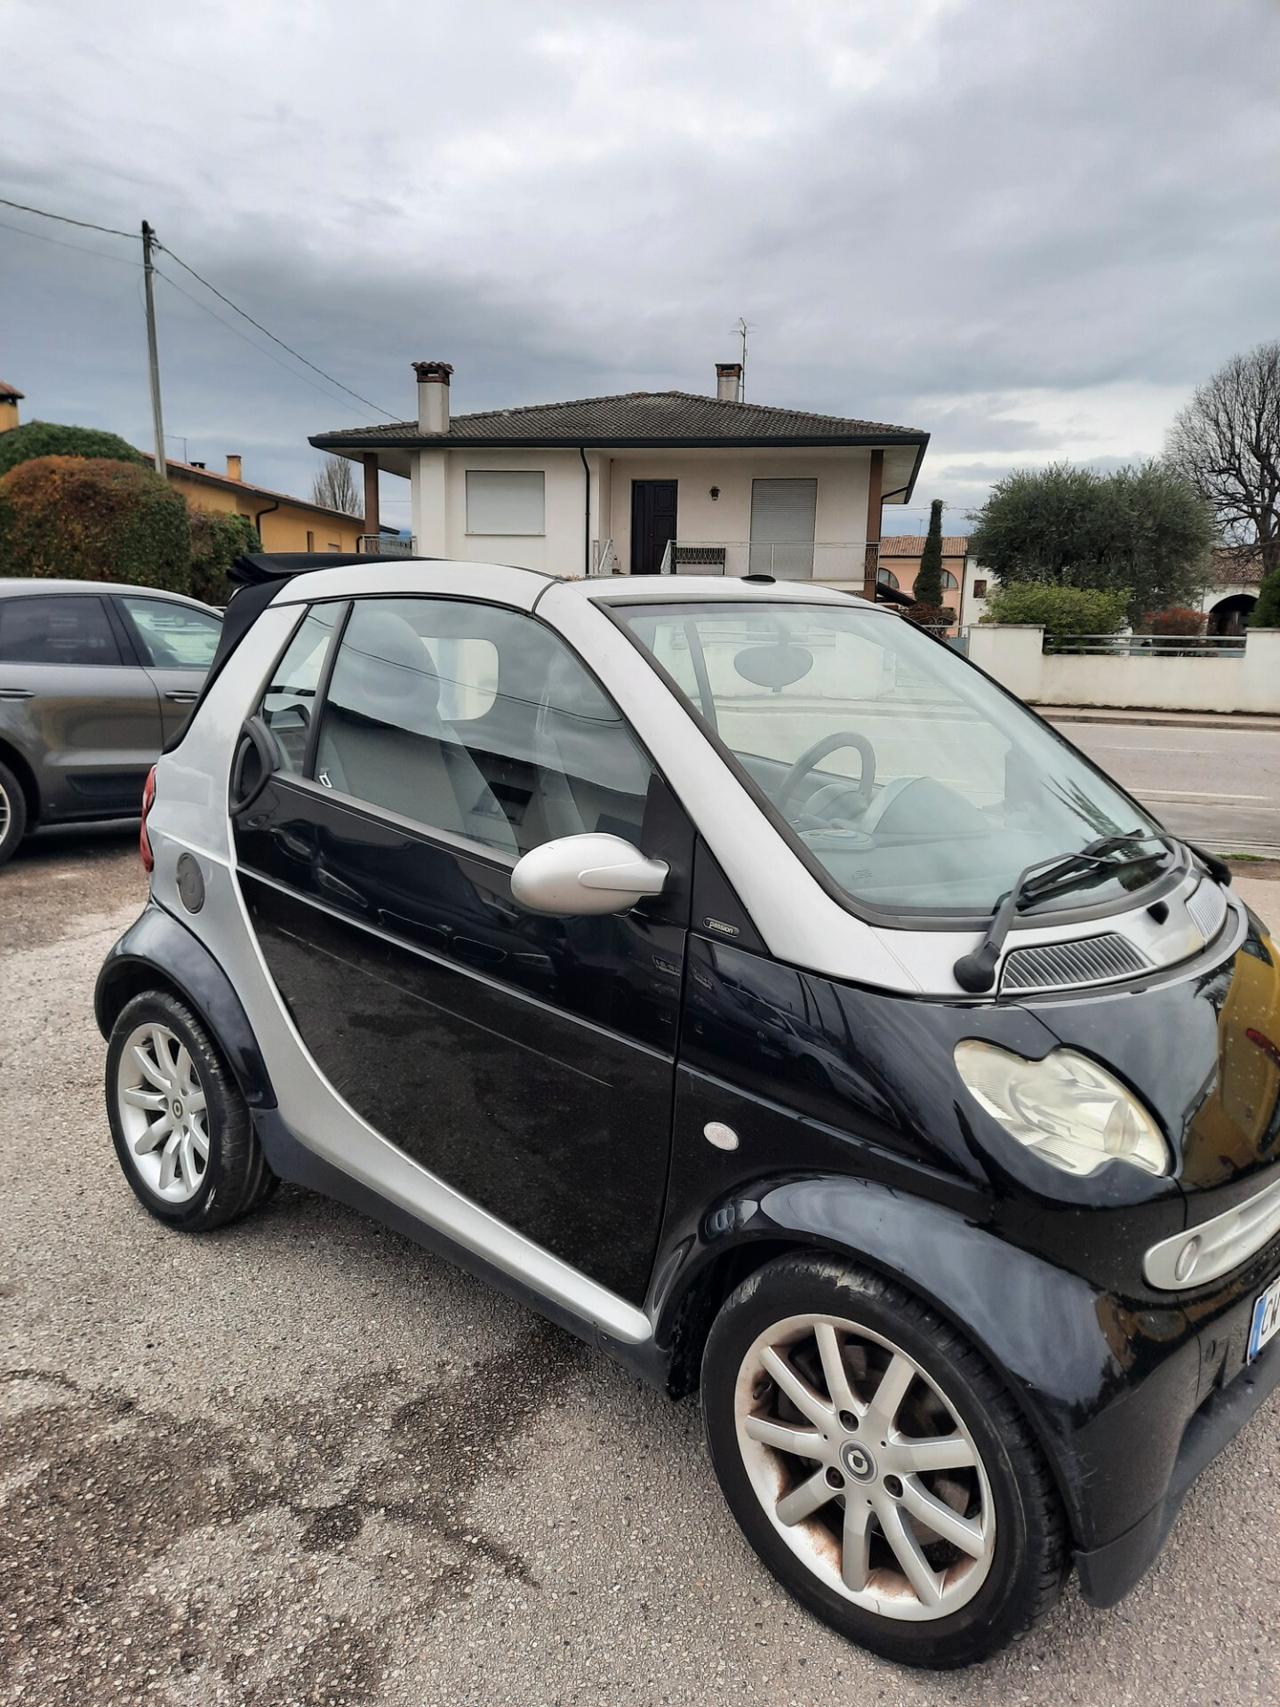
(182, 1131)
(878, 1466)
(13, 813)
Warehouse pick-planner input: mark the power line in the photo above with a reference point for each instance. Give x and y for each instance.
(235, 330)
(84, 224)
(61, 242)
(376, 407)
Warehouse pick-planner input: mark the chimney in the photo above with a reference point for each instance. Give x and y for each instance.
(729, 382)
(433, 396)
(233, 467)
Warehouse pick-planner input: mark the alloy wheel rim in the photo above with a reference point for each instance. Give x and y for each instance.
(163, 1112)
(864, 1468)
(6, 812)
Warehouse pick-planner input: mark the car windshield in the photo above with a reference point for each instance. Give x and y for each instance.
(916, 783)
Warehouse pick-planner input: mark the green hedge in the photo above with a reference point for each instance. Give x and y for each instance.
(1059, 610)
(47, 438)
(93, 520)
(217, 539)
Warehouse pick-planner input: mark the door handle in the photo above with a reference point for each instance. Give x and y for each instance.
(17, 693)
(182, 696)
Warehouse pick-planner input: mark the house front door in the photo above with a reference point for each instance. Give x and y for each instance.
(653, 523)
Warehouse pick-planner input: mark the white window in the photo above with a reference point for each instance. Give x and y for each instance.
(506, 501)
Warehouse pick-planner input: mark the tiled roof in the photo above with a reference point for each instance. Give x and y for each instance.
(1237, 567)
(10, 391)
(206, 477)
(635, 417)
(912, 545)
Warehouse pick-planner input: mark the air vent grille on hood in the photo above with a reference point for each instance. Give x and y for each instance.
(1059, 965)
(1208, 908)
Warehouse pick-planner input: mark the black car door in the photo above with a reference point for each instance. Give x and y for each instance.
(526, 1061)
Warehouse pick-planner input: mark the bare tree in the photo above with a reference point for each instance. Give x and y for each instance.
(335, 486)
(1227, 443)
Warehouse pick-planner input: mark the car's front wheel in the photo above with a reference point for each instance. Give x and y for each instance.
(13, 813)
(877, 1465)
(183, 1133)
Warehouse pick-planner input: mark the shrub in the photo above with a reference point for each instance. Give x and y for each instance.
(1266, 613)
(95, 520)
(1059, 610)
(1174, 619)
(47, 438)
(930, 616)
(217, 539)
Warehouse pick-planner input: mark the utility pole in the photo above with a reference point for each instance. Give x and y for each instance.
(153, 358)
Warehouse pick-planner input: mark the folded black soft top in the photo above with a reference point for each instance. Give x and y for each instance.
(258, 575)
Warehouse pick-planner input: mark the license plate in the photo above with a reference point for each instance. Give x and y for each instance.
(1266, 1320)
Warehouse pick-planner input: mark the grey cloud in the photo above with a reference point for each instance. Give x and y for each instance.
(1031, 199)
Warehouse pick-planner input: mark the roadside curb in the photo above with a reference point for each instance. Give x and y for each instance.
(1166, 720)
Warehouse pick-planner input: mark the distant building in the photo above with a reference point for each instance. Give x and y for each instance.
(10, 397)
(900, 563)
(1232, 592)
(283, 523)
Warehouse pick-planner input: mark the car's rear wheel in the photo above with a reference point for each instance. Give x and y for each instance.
(13, 813)
(878, 1466)
(183, 1133)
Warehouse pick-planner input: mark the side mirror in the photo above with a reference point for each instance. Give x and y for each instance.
(586, 875)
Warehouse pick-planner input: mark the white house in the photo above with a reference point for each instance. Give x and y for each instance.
(645, 482)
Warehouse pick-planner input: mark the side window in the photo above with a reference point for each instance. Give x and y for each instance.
(478, 721)
(172, 636)
(51, 629)
(289, 704)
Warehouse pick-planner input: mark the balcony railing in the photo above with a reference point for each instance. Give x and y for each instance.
(785, 560)
(385, 545)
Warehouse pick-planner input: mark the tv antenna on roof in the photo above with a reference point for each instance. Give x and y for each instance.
(742, 328)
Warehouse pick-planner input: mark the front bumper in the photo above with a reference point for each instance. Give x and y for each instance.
(1108, 1573)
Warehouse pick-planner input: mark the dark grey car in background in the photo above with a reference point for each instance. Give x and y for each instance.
(95, 677)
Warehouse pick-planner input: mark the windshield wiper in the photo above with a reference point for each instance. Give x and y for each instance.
(976, 971)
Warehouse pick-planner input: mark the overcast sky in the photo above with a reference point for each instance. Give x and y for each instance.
(1027, 227)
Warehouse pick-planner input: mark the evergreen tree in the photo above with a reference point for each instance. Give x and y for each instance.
(928, 587)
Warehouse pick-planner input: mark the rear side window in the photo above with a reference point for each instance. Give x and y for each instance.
(289, 704)
(478, 721)
(172, 636)
(56, 629)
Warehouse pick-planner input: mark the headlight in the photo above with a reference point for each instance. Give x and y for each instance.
(1065, 1108)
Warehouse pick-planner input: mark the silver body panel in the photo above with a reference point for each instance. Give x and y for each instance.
(1213, 1248)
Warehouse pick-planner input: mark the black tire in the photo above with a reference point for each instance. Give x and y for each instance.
(1030, 1558)
(15, 818)
(236, 1178)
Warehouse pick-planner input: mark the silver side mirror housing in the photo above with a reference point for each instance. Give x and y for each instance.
(582, 875)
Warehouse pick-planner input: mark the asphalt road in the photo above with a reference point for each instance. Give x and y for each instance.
(300, 1463)
(1219, 787)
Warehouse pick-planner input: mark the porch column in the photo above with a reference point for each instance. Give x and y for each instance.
(871, 561)
(371, 515)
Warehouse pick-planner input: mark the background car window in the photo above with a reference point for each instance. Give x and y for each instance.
(289, 703)
(478, 721)
(56, 630)
(173, 636)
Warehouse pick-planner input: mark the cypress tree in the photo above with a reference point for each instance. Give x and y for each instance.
(928, 587)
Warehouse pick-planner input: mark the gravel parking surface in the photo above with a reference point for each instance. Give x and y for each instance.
(302, 1462)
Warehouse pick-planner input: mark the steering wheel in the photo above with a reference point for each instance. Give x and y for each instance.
(819, 750)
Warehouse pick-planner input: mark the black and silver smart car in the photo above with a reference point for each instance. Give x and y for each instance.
(731, 971)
